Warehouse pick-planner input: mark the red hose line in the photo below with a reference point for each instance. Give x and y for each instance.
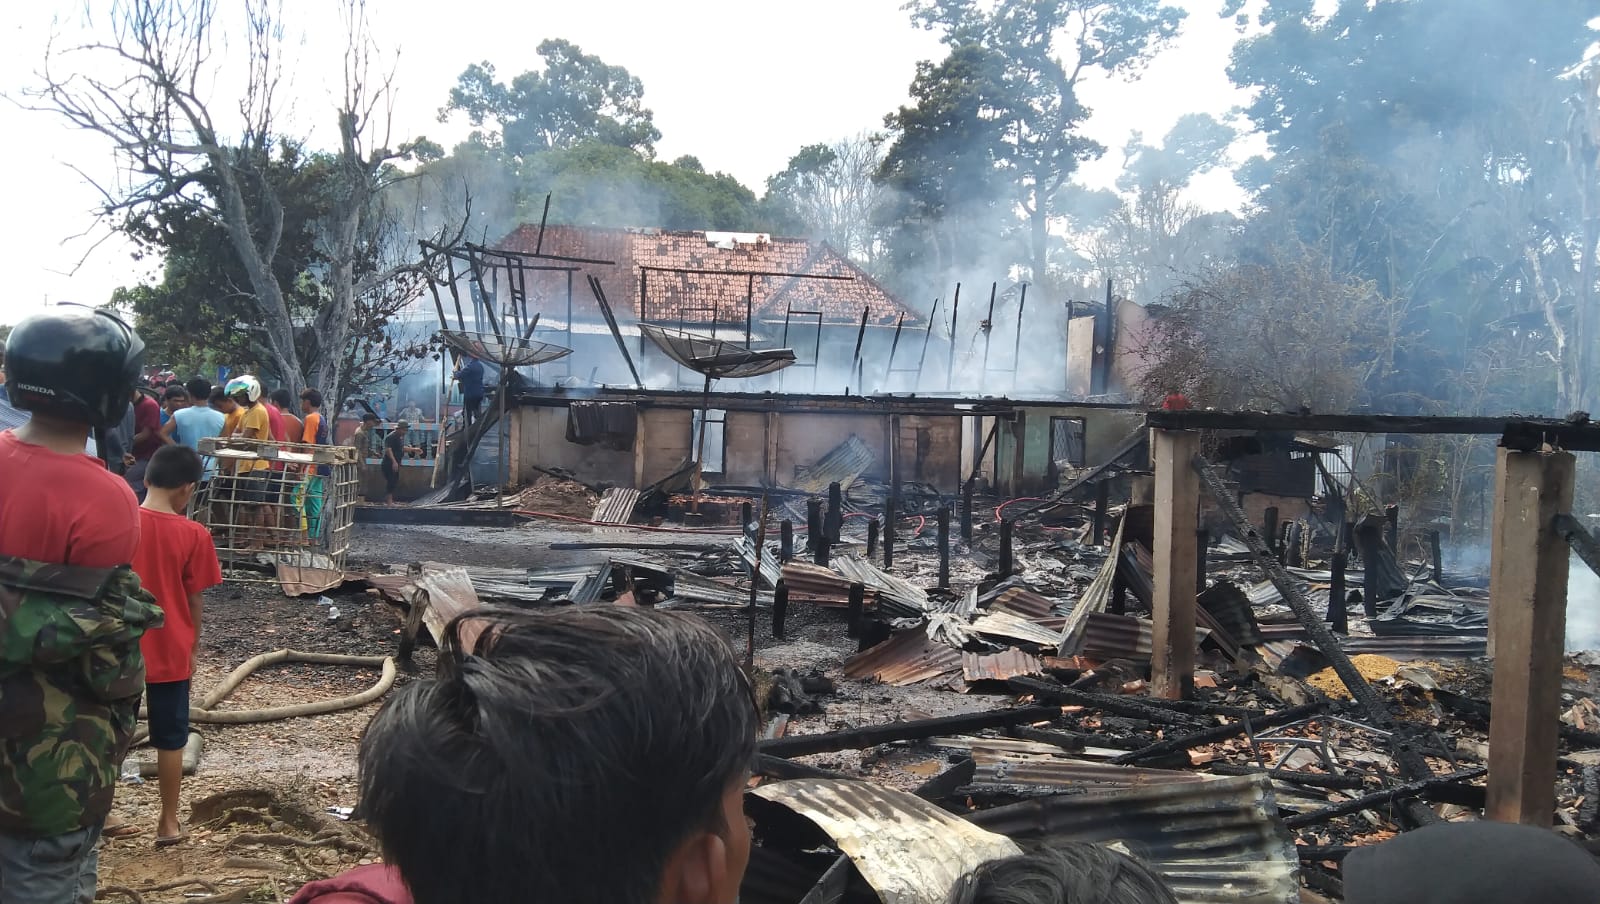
(1002, 506)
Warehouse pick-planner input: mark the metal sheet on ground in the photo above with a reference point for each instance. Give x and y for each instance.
(908, 850)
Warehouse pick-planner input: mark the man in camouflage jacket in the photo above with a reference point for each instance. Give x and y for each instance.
(71, 675)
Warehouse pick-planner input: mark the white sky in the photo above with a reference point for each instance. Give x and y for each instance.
(740, 85)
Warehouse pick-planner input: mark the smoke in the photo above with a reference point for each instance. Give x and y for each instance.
(1583, 607)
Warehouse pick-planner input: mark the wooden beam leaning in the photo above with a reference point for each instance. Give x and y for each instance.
(1581, 540)
(1177, 512)
(1528, 610)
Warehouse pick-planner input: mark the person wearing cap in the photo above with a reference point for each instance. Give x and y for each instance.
(71, 672)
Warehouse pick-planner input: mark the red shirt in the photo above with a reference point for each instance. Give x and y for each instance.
(146, 416)
(64, 509)
(175, 559)
(275, 422)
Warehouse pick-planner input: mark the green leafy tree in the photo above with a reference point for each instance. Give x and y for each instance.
(833, 191)
(599, 184)
(577, 98)
(1024, 60)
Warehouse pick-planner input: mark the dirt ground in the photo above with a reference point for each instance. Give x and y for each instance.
(306, 767)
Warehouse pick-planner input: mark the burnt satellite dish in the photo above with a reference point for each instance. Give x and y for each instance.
(507, 351)
(714, 358)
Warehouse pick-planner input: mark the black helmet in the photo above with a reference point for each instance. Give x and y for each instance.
(74, 362)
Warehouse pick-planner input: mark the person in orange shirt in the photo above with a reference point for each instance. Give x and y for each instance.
(177, 563)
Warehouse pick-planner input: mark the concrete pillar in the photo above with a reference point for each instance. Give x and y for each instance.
(1528, 611)
(1177, 504)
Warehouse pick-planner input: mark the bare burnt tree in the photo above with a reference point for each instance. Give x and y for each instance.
(160, 63)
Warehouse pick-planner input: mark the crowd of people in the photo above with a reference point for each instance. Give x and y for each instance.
(583, 755)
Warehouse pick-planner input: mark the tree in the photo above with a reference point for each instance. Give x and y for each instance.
(833, 190)
(1042, 51)
(598, 184)
(1148, 238)
(145, 89)
(1429, 146)
(577, 98)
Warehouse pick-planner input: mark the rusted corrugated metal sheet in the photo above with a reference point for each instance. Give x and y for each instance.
(1022, 602)
(616, 506)
(813, 583)
(908, 850)
(905, 658)
(1004, 624)
(770, 571)
(899, 596)
(848, 460)
(1215, 840)
(1107, 636)
(999, 666)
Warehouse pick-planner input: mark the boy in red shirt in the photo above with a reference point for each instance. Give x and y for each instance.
(177, 563)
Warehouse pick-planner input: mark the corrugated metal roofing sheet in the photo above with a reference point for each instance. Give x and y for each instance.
(848, 460)
(910, 600)
(770, 571)
(1215, 840)
(813, 583)
(905, 658)
(1022, 602)
(1229, 605)
(616, 506)
(999, 666)
(1108, 636)
(1004, 624)
(908, 850)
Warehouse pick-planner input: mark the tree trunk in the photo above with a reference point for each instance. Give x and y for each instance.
(276, 323)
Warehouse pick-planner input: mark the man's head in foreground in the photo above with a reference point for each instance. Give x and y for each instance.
(1065, 873)
(1472, 863)
(585, 755)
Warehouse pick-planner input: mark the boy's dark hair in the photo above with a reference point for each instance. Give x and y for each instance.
(311, 396)
(564, 759)
(217, 395)
(1072, 872)
(174, 392)
(281, 398)
(199, 388)
(369, 416)
(174, 466)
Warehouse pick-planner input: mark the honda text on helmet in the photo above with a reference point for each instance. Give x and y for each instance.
(244, 385)
(75, 363)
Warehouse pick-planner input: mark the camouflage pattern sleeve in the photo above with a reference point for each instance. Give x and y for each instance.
(70, 679)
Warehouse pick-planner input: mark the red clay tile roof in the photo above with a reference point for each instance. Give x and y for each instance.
(692, 298)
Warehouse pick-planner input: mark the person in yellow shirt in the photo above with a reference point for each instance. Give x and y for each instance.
(252, 479)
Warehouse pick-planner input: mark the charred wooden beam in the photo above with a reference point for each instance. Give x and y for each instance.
(945, 783)
(1072, 741)
(1308, 779)
(779, 768)
(1580, 539)
(1222, 732)
(1380, 798)
(1521, 434)
(872, 735)
(1138, 708)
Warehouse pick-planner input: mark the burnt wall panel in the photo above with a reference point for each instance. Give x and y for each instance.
(664, 435)
(931, 447)
(543, 442)
(745, 456)
(805, 437)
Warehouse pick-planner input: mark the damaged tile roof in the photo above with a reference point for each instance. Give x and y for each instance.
(692, 298)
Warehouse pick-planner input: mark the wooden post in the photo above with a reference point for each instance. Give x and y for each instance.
(835, 519)
(1006, 560)
(821, 553)
(814, 537)
(780, 606)
(966, 512)
(786, 540)
(1347, 538)
(746, 515)
(1391, 531)
(1102, 498)
(858, 601)
(944, 547)
(1436, 547)
(1119, 593)
(1338, 615)
(888, 533)
(1202, 543)
(872, 537)
(1269, 527)
(1528, 608)
(1177, 510)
